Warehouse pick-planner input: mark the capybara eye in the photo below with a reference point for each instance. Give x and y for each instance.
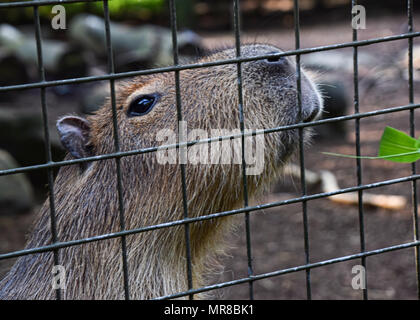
(141, 105)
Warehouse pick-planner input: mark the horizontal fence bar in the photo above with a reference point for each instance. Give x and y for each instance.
(21, 4)
(247, 209)
(44, 84)
(59, 245)
(293, 269)
(56, 164)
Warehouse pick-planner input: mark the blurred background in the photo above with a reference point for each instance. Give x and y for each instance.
(142, 39)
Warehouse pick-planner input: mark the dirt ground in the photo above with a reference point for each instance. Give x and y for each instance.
(277, 233)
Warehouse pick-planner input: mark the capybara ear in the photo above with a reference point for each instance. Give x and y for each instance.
(74, 135)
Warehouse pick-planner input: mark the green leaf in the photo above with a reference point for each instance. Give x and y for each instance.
(389, 157)
(397, 146)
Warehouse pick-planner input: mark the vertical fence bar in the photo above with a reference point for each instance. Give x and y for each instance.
(237, 30)
(117, 149)
(48, 154)
(236, 23)
(413, 133)
(172, 11)
(302, 150)
(358, 160)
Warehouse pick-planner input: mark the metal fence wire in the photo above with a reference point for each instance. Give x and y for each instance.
(304, 199)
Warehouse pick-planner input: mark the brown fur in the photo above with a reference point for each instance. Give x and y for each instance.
(87, 200)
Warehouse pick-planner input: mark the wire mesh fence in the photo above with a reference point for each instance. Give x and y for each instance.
(246, 210)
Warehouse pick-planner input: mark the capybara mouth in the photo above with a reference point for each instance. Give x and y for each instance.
(312, 116)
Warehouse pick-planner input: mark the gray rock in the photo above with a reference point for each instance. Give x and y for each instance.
(135, 48)
(337, 60)
(22, 135)
(16, 194)
(403, 63)
(96, 98)
(20, 125)
(336, 104)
